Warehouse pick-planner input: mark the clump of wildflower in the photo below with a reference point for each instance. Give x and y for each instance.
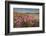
(21, 21)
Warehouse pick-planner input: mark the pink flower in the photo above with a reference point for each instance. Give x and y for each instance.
(20, 19)
(25, 18)
(29, 18)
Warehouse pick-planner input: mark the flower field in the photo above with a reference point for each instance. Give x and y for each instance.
(26, 20)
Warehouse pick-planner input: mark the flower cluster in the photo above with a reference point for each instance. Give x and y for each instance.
(23, 21)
